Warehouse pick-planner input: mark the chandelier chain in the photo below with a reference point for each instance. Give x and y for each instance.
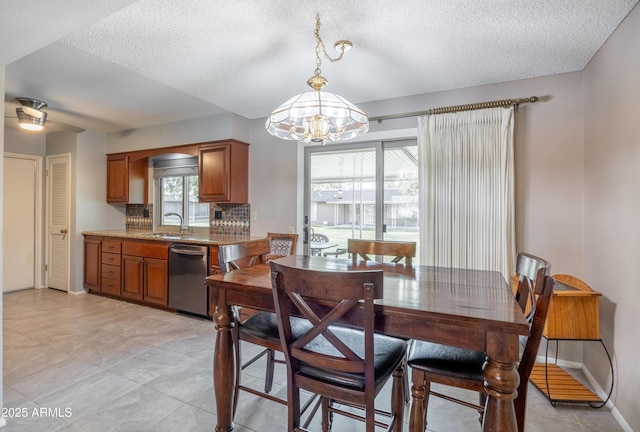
(320, 43)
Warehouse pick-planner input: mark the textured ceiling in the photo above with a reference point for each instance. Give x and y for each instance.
(111, 65)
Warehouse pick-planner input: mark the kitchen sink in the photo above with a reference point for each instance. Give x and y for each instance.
(168, 236)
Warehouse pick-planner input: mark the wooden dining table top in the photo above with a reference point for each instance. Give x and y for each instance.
(468, 298)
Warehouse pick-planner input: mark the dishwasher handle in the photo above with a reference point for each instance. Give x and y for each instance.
(187, 251)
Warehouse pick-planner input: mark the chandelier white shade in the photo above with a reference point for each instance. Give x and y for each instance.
(317, 116)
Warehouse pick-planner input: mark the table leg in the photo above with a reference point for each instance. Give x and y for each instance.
(501, 381)
(224, 373)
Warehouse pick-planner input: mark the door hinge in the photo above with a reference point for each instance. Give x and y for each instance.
(46, 267)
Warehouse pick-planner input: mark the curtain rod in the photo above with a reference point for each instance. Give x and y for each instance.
(457, 108)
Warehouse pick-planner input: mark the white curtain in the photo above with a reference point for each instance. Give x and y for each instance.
(466, 190)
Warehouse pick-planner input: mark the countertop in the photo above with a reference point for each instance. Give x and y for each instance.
(193, 237)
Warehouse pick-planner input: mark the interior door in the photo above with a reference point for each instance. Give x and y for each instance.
(21, 236)
(58, 237)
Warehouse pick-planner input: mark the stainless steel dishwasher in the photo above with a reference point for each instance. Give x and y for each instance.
(188, 267)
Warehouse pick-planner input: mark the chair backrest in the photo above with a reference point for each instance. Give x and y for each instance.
(281, 244)
(543, 292)
(529, 269)
(399, 250)
(235, 256)
(323, 297)
(319, 238)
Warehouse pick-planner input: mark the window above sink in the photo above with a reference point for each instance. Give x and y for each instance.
(176, 193)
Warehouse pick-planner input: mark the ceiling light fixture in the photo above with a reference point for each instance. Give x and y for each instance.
(29, 122)
(30, 116)
(317, 116)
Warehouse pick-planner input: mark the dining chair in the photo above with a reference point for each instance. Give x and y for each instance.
(281, 245)
(348, 365)
(523, 282)
(235, 256)
(399, 250)
(256, 327)
(462, 368)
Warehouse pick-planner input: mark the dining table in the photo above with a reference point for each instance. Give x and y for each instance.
(473, 309)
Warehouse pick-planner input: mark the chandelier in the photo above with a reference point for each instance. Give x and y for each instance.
(317, 116)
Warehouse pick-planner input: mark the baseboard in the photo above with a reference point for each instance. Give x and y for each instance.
(82, 292)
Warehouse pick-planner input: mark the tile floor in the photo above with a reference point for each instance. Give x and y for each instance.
(98, 365)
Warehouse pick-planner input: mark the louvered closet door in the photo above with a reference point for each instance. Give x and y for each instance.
(58, 172)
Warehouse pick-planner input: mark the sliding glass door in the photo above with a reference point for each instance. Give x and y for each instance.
(365, 191)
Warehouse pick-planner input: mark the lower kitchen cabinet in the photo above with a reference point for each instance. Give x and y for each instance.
(92, 260)
(132, 277)
(156, 281)
(145, 272)
(127, 269)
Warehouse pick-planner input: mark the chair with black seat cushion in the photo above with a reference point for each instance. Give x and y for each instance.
(348, 365)
(256, 327)
(399, 250)
(462, 368)
(281, 244)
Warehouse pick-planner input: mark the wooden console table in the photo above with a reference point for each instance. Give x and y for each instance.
(573, 315)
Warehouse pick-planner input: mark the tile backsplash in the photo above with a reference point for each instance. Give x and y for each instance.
(234, 219)
(225, 219)
(139, 217)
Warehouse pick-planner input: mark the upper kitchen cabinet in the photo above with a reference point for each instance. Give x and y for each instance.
(223, 172)
(128, 173)
(127, 179)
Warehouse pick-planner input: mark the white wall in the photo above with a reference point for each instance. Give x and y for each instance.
(22, 142)
(178, 133)
(91, 191)
(273, 181)
(612, 206)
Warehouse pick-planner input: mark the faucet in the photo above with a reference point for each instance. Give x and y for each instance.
(183, 227)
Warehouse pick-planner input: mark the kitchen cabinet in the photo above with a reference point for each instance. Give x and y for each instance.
(127, 179)
(110, 267)
(92, 262)
(132, 277)
(145, 272)
(156, 281)
(223, 172)
(214, 260)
